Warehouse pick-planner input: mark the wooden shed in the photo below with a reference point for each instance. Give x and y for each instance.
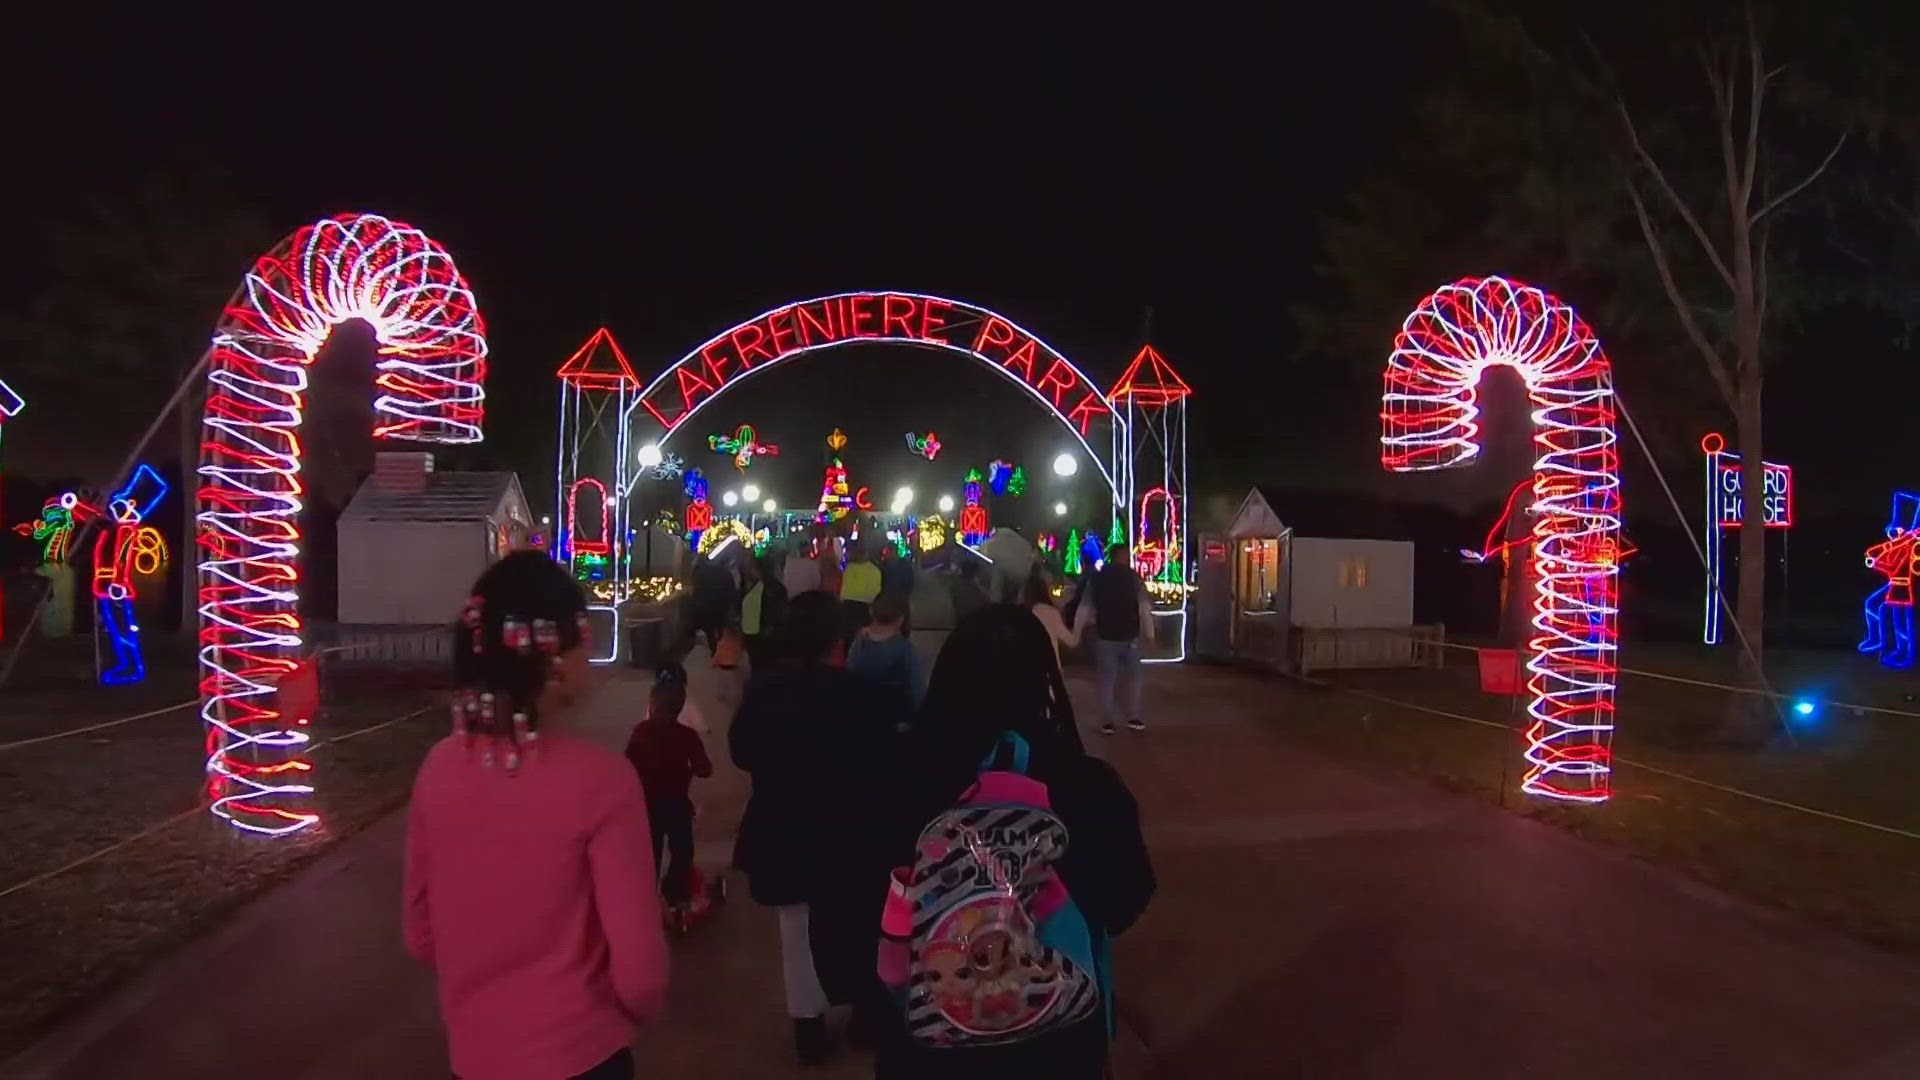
(1338, 596)
(413, 540)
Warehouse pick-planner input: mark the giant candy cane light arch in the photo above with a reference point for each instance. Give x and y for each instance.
(1429, 421)
(432, 361)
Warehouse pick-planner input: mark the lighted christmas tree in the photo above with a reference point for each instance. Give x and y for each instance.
(1117, 534)
(836, 499)
(1017, 483)
(1072, 564)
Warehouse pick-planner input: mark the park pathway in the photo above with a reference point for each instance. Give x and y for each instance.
(1313, 921)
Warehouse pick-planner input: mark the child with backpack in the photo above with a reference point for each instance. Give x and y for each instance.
(883, 651)
(668, 754)
(1021, 856)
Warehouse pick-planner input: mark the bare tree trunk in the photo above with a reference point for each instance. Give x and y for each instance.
(1748, 718)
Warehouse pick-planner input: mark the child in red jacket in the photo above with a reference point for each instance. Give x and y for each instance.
(668, 755)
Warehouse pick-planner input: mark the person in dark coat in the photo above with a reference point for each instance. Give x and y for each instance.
(821, 746)
(1105, 868)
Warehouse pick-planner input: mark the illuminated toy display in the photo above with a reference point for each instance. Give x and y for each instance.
(931, 532)
(743, 446)
(54, 530)
(836, 499)
(1429, 421)
(125, 549)
(1890, 607)
(998, 474)
(927, 446)
(432, 351)
(699, 510)
(973, 517)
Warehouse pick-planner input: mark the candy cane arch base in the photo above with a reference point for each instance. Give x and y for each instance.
(1429, 421)
(432, 361)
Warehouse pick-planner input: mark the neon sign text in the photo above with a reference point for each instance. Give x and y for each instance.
(886, 316)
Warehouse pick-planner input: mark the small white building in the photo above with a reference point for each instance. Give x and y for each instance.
(412, 540)
(1302, 603)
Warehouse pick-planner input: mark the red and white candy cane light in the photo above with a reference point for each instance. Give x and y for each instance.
(432, 361)
(1429, 421)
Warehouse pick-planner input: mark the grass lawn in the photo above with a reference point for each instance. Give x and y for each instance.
(1864, 766)
(69, 938)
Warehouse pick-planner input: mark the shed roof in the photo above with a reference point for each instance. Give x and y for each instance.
(449, 496)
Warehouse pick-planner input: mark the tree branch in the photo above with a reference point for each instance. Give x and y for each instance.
(1796, 189)
(1679, 204)
(1715, 366)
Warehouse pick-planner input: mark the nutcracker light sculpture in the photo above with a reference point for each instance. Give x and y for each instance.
(126, 548)
(1890, 607)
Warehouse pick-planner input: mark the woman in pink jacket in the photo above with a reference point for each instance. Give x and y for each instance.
(530, 884)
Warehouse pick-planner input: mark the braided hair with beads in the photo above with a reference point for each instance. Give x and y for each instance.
(525, 613)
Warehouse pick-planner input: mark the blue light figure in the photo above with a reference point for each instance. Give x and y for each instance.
(126, 548)
(1889, 609)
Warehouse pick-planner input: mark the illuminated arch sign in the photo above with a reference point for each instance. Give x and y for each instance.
(850, 318)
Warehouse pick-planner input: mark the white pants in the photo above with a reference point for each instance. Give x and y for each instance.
(804, 996)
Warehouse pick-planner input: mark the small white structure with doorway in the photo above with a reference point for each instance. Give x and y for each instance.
(413, 540)
(1301, 603)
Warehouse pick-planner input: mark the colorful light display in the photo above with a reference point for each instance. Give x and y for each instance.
(999, 474)
(743, 446)
(930, 532)
(699, 510)
(927, 446)
(1726, 510)
(1889, 608)
(127, 549)
(973, 517)
(1071, 555)
(1160, 559)
(1429, 421)
(836, 499)
(597, 390)
(595, 541)
(431, 366)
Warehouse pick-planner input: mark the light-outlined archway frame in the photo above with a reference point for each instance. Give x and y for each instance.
(431, 365)
(899, 318)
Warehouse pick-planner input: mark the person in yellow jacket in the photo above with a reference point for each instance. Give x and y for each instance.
(859, 585)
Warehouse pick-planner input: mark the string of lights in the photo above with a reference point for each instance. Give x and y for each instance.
(1430, 421)
(431, 365)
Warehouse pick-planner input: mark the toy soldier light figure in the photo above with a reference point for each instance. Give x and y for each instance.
(124, 549)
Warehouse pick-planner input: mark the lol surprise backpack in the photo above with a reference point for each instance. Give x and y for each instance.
(980, 940)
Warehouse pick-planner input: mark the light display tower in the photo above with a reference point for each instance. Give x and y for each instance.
(597, 387)
(1153, 399)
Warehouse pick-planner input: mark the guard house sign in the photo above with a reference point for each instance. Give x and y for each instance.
(1726, 505)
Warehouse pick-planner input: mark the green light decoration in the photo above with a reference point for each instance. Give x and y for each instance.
(1072, 563)
(1017, 483)
(1117, 534)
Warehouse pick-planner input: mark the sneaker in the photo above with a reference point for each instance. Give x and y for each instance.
(1136, 725)
(811, 1043)
(1106, 729)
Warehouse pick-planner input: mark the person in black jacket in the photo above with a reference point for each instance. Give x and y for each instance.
(820, 745)
(997, 674)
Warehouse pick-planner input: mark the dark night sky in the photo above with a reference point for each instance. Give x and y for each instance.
(669, 184)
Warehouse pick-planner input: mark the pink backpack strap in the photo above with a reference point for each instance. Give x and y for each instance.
(1007, 787)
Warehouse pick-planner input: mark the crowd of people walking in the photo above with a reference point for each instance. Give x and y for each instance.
(946, 862)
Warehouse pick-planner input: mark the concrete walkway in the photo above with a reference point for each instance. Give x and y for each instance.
(1313, 921)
